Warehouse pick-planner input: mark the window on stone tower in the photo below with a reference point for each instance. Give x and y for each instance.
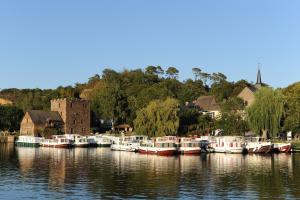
(71, 105)
(59, 105)
(71, 131)
(81, 121)
(74, 121)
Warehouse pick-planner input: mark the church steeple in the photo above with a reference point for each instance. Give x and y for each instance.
(258, 79)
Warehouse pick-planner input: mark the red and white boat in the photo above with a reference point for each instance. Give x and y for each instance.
(282, 147)
(163, 146)
(188, 146)
(255, 145)
(57, 141)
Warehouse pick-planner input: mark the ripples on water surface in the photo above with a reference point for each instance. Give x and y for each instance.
(45, 173)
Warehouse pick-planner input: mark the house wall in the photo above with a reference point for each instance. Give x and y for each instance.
(215, 114)
(27, 126)
(247, 95)
(75, 114)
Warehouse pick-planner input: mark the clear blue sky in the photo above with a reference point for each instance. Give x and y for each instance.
(50, 43)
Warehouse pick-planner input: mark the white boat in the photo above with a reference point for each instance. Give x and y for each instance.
(229, 144)
(188, 146)
(99, 141)
(57, 141)
(28, 141)
(127, 143)
(78, 140)
(164, 146)
(256, 145)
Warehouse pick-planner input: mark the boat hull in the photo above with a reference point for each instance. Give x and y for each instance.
(189, 151)
(81, 145)
(260, 149)
(237, 150)
(100, 145)
(282, 148)
(25, 144)
(158, 151)
(57, 145)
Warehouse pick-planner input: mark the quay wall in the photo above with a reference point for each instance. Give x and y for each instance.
(7, 139)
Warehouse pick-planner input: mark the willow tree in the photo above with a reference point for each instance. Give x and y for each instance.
(265, 114)
(159, 118)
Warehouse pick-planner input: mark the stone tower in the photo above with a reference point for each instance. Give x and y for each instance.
(75, 114)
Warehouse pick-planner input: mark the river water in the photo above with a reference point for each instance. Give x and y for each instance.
(98, 173)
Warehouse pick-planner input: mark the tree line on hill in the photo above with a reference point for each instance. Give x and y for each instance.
(153, 101)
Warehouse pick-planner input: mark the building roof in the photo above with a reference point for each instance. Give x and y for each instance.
(42, 117)
(207, 103)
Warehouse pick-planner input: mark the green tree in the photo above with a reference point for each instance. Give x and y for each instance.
(172, 72)
(10, 118)
(265, 114)
(159, 118)
(188, 120)
(292, 115)
(232, 121)
(197, 73)
(205, 124)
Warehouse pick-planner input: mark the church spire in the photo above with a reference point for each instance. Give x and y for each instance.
(258, 80)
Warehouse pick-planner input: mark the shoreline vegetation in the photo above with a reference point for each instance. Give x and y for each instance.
(153, 101)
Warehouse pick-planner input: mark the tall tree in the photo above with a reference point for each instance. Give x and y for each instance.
(159, 118)
(172, 72)
(292, 117)
(10, 118)
(197, 73)
(265, 114)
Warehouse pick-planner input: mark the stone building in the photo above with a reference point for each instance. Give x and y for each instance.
(37, 123)
(69, 116)
(247, 94)
(75, 114)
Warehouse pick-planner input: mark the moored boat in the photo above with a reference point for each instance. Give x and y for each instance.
(229, 144)
(28, 141)
(57, 141)
(188, 146)
(255, 145)
(78, 140)
(127, 143)
(99, 141)
(163, 146)
(282, 147)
